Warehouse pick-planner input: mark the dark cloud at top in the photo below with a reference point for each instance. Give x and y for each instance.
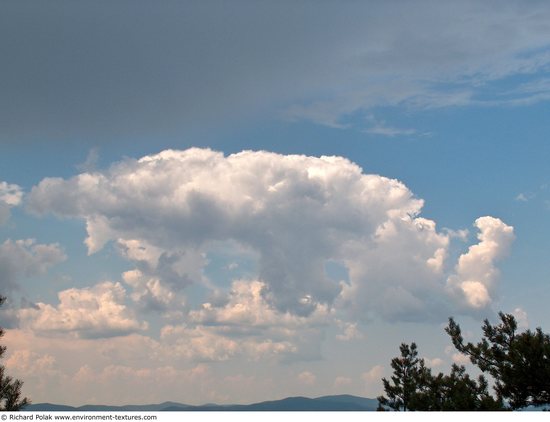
(115, 69)
(107, 70)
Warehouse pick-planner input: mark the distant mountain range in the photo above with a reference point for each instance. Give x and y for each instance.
(326, 403)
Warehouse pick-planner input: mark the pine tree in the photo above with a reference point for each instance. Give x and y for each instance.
(519, 362)
(409, 386)
(458, 392)
(10, 389)
(413, 387)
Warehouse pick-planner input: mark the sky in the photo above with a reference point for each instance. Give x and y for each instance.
(230, 202)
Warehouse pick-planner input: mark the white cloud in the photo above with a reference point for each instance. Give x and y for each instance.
(245, 324)
(397, 272)
(374, 374)
(199, 343)
(247, 307)
(166, 211)
(457, 357)
(10, 196)
(460, 359)
(140, 251)
(521, 318)
(476, 273)
(205, 344)
(161, 275)
(150, 293)
(373, 380)
(433, 363)
(307, 378)
(93, 312)
(350, 332)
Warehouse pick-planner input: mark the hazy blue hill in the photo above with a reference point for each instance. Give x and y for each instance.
(326, 403)
(153, 407)
(370, 404)
(306, 404)
(103, 408)
(48, 407)
(133, 407)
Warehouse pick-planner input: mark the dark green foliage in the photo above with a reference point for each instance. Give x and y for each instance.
(519, 362)
(413, 387)
(408, 387)
(458, 391)
(10, 389)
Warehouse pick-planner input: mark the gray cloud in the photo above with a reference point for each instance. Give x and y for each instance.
(25, 258)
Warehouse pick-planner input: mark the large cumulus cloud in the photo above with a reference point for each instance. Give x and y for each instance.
(298, 213)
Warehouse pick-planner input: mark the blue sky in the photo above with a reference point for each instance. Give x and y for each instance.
(272, 195)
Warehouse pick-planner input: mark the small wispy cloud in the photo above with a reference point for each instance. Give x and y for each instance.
(461, 234)
(379, 127)
(532, 194)
(232, 266)
(389, 131)
(522, 197)
(91, 161)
